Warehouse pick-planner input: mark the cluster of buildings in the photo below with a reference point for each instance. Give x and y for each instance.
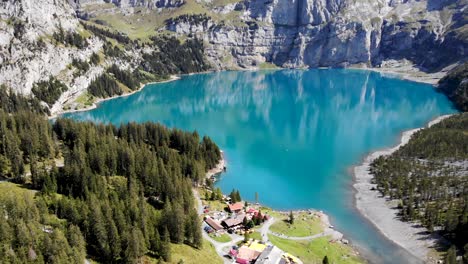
(233, 222)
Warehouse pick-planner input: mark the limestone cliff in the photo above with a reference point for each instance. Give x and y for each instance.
(135, 3)
(429, 34)
(26, 53)
(315, 33)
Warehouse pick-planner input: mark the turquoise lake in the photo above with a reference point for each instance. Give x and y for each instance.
(291, 135)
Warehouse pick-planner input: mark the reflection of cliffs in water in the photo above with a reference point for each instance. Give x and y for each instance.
(314, 102)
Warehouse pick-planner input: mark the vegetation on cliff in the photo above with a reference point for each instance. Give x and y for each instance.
(49, 91)
(174, 57)
(11, 102)
(169, 56)
(70, 38)
(104, 86)
(192, 19)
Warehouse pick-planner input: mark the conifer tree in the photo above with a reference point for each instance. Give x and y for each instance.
(165, 251)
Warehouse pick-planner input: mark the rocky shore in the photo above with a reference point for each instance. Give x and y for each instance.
(383, 213)
(60, 109)
(220, 167)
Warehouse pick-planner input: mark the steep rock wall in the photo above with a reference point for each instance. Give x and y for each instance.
(29, 54)
(317, 33)
(151, 4)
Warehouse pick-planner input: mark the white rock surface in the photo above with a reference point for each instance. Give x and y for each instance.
(315, 33)
(293, 33)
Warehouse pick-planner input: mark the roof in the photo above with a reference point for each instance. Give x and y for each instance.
(237, 220)
(213, 223)
(242, 261)
(252, 210)
(236, 206)
(233, 252)
(246, 253)
(271, 255)
(257, 246)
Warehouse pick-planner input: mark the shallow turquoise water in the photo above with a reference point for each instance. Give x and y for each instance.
(291, 135)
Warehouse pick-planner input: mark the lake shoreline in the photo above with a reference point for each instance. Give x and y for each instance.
(219, 168)
(402, 72)
(95, 104)
(382, 213)
(408, 73)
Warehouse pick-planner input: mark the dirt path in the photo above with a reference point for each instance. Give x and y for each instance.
(221, 248)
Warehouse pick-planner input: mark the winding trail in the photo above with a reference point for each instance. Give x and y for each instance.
(221, 248)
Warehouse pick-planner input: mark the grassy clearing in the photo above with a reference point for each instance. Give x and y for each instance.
(8, 189)
(213, 205)
(256, 235)
(304, 225)
(267, 66)
(220, 3)
(314, 251)
(20, 193)
(142, 24)
(85, 99)
(189, 255)
(224, 238)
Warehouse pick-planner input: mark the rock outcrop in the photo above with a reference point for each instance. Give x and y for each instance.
(426, 34)
(323, 33)
(29, 54)
(136, 3)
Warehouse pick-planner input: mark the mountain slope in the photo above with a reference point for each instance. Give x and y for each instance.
(46, 38)
(430, 34)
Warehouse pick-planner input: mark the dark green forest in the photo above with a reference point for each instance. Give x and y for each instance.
(429, 175)
(170, 56)
(70, 38)
(119, 193)
(173, 57)
(29, 234)
(10, 102)
(455, 86)
(192, 19)
(49, 91)
(104, 86)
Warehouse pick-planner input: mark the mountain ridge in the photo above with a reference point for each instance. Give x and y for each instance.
(426, 35)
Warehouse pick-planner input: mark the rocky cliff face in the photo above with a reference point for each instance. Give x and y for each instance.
(135, 3)
(430, 34)
(28, 53)
(315, 33)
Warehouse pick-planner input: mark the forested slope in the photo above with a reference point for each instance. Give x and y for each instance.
(119, 192)
(429, 175)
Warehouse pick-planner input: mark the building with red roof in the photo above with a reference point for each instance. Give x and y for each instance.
(236, 208)
(252, 211)
(213, 223)
(234, 221)
(246, 255)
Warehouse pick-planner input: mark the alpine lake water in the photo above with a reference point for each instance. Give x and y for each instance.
(291, 135)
